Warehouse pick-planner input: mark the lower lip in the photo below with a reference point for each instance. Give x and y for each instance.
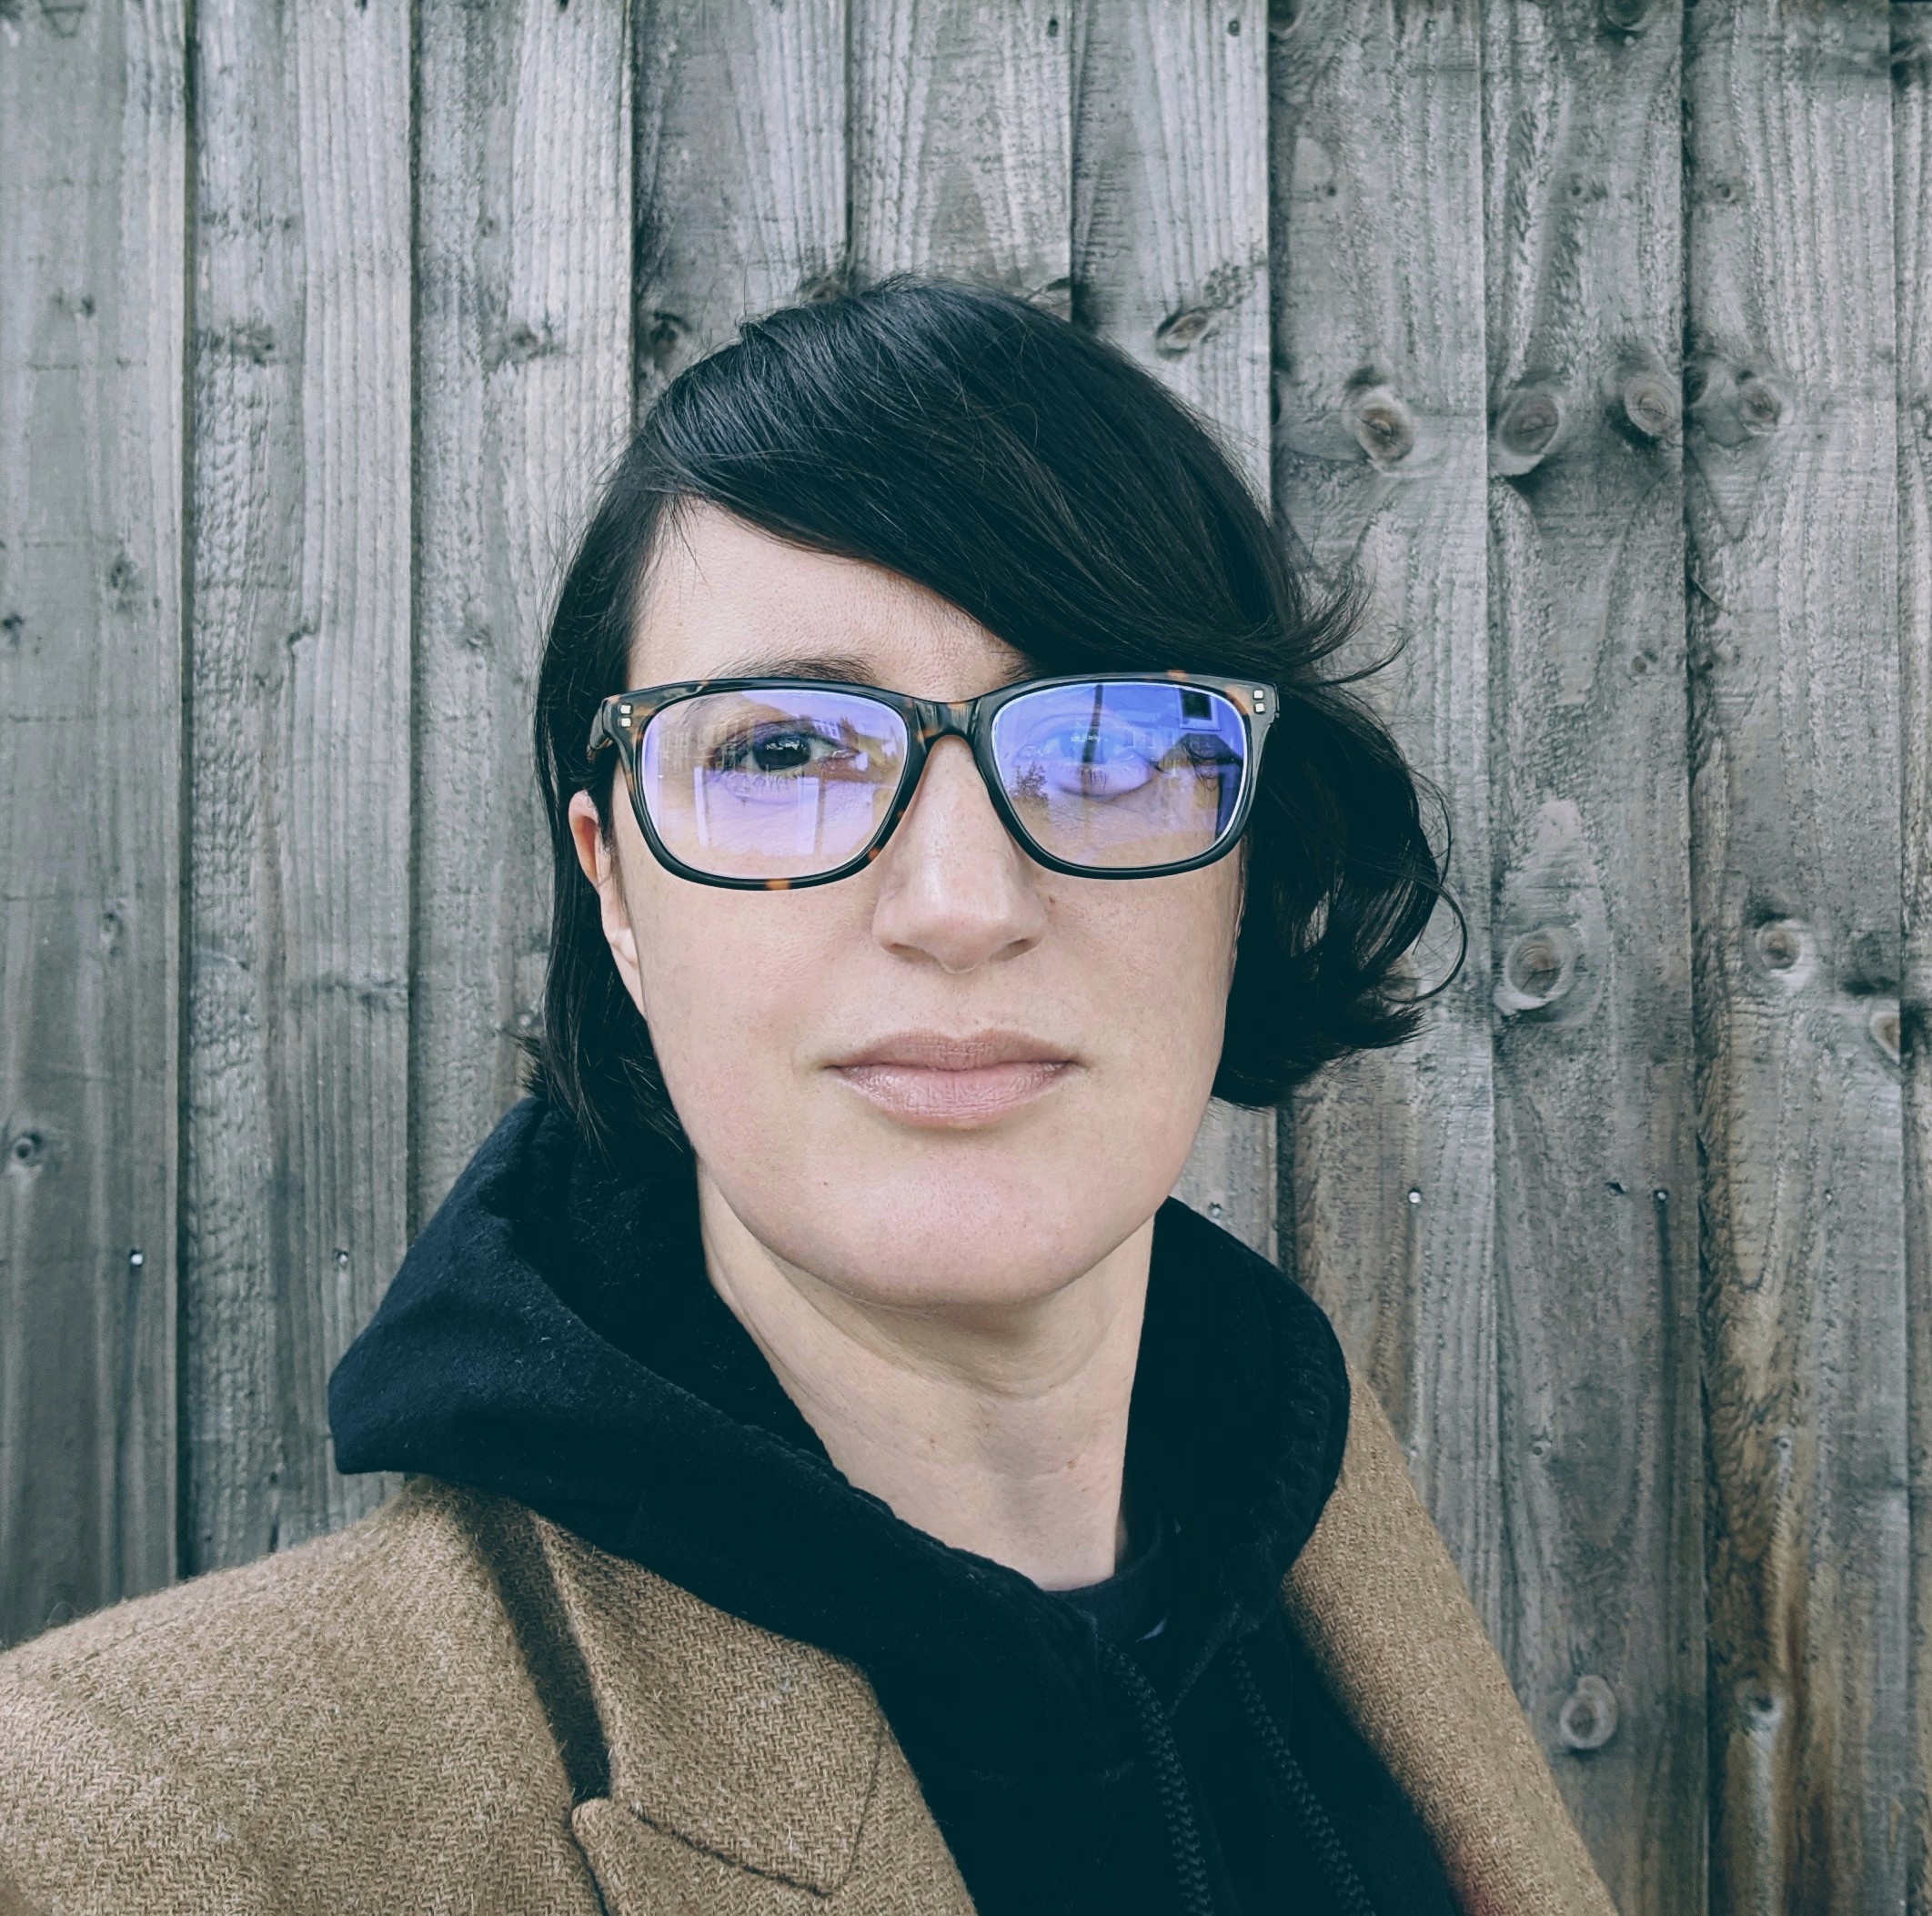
(922, 1094)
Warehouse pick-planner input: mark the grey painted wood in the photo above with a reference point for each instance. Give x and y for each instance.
(1595, 1161)
(1792, 502)
(1911, 30)
(93, 151)
(298, 891)
(1170, 261)
(740, 170)
(1380, 461)
(523, 371)
(959, 142)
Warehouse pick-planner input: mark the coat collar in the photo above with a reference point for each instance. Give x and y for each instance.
(1380, 1605)
(753, 1748)
(752, 1772)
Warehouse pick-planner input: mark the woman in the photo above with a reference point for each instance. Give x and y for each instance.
(839, 1478)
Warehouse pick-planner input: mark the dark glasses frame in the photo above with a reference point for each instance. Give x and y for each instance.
(621, 720)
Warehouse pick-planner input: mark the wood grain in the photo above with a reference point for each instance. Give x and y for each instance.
(268, 933)
(960, 143)
(1380, 459)
(1792, 506)
(300, 813)
(740, 170)
(1380, 456)
(1911, 51)
(523, 371)
(1595, 1166)
(93, 159)
(1169, 262)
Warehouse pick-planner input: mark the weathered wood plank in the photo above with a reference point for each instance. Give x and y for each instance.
(1796, 867)
(1171, 203)
(1170, 257)
(740, 170)
(522, 400)
(298, 895)
(960, 143)
(1911, 33)
(1595, 1160)
(1379, 461)
(92, 158)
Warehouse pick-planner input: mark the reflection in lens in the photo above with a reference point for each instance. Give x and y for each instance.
(772, 782)
(1120, 775)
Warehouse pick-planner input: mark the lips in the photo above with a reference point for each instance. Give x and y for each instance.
(930, 1079)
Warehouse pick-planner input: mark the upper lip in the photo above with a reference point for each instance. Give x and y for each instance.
(935, 1051)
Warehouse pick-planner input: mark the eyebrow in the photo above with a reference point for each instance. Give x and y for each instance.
(838, 668)
(841, 668)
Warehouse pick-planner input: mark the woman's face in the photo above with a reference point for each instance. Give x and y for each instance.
(955, 1078)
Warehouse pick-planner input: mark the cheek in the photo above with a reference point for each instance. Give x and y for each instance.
(729, 979)
(1162, 953)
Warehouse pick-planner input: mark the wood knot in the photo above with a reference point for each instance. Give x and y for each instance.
(1538, 971)
(1180, 332)
(663, 337)
(1760, 405)
(1383, 426)
(1651, 404)
(1760, 1709)
(252, 340)
(1529, 424)
(1623, 16)
(1886, 1030)
(1587, 1720)
(26, 1151)
(1785, 950)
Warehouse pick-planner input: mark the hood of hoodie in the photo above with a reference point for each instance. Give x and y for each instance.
(553, 1337)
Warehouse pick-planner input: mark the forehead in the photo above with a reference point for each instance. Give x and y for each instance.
(722, 599)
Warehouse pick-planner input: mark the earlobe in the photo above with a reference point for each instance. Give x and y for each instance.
(597, 856)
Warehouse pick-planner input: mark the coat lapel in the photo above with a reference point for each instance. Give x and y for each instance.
(750, 1775)
(1381, 1607)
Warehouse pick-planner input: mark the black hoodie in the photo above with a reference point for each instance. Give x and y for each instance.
(552, 1337)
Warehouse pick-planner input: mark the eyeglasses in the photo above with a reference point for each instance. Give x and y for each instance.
(772, 784)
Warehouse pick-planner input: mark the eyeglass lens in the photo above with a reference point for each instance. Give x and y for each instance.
(791, 783)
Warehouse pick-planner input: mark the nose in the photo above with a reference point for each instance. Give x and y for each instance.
(954, 887)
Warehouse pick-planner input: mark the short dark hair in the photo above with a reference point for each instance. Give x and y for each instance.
(1044, 483)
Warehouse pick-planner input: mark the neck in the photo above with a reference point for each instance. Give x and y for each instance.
(1003, 1432)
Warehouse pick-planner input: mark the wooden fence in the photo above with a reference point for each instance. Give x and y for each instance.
(1598, 332)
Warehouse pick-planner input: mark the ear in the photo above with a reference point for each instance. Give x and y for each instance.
(598, 855)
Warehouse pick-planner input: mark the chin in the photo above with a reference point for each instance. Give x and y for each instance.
(996, 1230)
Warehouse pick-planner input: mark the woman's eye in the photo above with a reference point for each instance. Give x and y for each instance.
(1095, 764)
(777, 753)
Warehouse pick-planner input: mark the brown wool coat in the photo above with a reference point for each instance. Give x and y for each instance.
(352, 1725)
